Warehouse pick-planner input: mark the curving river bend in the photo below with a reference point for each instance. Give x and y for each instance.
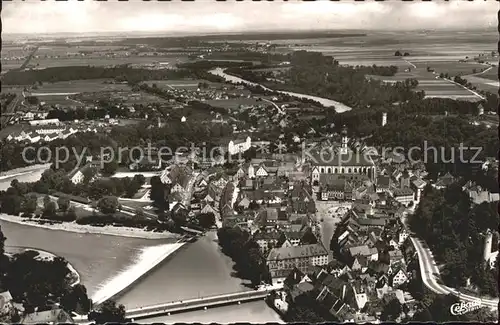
(339, 107)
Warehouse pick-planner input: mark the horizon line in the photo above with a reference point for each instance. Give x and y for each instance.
(247, 32)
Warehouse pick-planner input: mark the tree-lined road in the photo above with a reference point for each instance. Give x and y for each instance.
(430, 274)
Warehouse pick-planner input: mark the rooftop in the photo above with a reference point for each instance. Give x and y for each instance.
(330, 158)
(304, 251)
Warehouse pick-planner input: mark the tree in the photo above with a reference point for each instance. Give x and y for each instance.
(281, 239)
(139, 213)
(46, 200)
(392, 310)
(30, 203)
(180, 217)
(110, 168)
(50, 209)
(108, 204)
(2, 242)
(308, 238)
(397, 53)
(32, 100)
(253, 205)
(89, 173)
(108, 313)
(157, 193)
(76, 299)
(63, 203)
(11, 204)
(207, 220)
(71, 213)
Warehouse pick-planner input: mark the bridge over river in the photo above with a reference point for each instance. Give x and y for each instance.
(198, 303)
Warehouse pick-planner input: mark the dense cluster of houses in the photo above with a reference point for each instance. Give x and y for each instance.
(208, 92)
(368, 270)
(48, 132)
(349, 174)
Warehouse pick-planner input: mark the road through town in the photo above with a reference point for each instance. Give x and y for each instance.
(431, 276)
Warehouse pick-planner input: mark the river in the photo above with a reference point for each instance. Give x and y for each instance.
(197, 269)
(339, 107)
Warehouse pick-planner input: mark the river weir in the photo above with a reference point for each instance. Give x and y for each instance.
(339, 107)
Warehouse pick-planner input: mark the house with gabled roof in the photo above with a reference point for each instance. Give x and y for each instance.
(397, 278)
(207, 208)
(266, 240)
(211, 195)
(444, 181)
(179, 207)
(281, 260)
(238, 220)
(294, 277)
(396, 256)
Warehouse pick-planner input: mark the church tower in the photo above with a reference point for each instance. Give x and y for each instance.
(343, 149)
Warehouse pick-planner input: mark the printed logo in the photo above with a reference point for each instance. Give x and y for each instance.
(461, 308)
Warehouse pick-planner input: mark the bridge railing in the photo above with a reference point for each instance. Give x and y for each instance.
(228, 297)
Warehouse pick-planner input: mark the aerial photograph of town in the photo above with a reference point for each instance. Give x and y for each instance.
(249, 162)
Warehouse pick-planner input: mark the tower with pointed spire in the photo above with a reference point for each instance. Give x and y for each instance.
(344, 149)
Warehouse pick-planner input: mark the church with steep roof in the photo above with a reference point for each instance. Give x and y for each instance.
(343, 163)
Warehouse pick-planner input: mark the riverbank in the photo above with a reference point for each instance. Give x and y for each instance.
(326, 102)
(86, 229)
(148, 259)
(22, 170)
(47, 256)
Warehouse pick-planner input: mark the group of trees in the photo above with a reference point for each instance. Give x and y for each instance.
(207, 64)
(455, 231)
(244, 251)
(436, 308)
(315, 74)
(398, 53)
(305, 309)
(38, 283)
(119, 73)
(108, 312)
(21, 197)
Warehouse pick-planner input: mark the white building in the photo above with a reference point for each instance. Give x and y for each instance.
(403, 195)
(239, 146)
(489, 256)
(78, 177)
(344, 162)
(281, 261)
(44, 122)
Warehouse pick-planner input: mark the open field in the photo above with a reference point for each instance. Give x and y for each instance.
(233, 103)
(379, 47)
(453, 68)
(429, 81)
(42, 62)
(123, 96)
(12, 57)
(179, 83)
(11, 64)
(491, 74)
(77, 86)
(74, 49)
(482, 83)
(61, 100)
